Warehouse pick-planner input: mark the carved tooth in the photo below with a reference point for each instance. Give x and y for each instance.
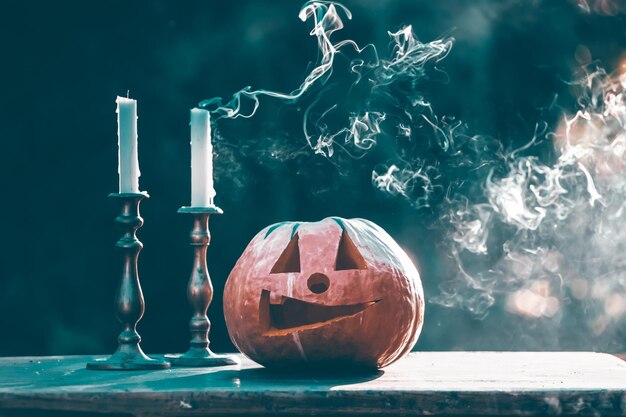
(276, 298)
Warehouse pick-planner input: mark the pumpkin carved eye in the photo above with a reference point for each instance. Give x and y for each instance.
(348, 255)
(289, 260)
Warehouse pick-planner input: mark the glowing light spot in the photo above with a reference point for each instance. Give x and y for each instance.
(615, 305)
(579, 288)
(534, 302)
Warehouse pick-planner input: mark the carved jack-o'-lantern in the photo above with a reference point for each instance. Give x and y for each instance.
(333, 293)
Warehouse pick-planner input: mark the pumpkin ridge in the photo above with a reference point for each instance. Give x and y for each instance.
(274, 227)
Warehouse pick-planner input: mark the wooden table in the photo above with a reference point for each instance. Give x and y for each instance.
(434, 383)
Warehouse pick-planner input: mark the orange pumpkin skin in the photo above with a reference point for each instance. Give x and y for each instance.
(335, 293)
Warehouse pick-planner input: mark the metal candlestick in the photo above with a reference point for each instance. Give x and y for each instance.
(200, 295)
(129, 303)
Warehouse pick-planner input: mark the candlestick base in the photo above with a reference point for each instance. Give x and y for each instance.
(128, 358)
(199, 357)
(200, 210)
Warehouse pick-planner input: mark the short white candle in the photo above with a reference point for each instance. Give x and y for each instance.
(202, 191)
(128, 162)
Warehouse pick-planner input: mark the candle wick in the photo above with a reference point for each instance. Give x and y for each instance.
(127, 93)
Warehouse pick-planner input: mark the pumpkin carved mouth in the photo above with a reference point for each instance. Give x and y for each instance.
(289, 315)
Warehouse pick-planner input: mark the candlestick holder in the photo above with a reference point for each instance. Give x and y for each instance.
(200, 295)
(129, 302)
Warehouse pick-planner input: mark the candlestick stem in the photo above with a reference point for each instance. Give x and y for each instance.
(129, 301)
(200, 295)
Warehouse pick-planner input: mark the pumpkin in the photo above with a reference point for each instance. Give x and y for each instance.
(332, 294)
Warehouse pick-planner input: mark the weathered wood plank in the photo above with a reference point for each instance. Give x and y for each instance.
(434, 383)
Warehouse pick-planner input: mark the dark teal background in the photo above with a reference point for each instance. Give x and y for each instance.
(63, 63)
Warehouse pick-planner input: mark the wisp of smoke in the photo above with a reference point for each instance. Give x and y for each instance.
(380, 96)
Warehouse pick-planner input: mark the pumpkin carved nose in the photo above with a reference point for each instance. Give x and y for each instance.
(318, 283)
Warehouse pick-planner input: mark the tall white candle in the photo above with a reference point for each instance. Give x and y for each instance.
(128, 162)
(202, 191)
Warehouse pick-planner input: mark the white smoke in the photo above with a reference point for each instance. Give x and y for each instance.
(562, 219)
(355, 126)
